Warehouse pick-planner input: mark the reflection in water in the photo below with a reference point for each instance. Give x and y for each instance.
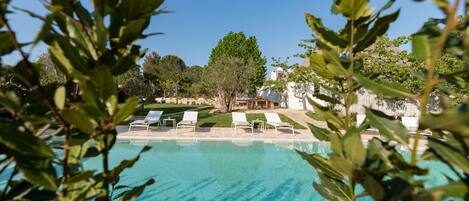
(230, 163)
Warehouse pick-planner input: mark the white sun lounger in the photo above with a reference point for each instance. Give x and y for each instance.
(240, 121)
(151, 118)
(274, 120)
(189, 120)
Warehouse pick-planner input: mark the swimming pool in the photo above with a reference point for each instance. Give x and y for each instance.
(225, 170)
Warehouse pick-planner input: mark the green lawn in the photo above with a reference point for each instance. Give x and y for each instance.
(204, 118)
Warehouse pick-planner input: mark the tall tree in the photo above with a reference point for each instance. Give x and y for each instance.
(169, 74)
(166, 73)
(192, 84)
(226, 78)
(150, 73)
(132, 83)
(245, 48)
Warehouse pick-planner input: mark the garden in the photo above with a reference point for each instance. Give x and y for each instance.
(207, 119)
(59, 112)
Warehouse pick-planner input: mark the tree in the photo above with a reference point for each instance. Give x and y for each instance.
(192, 83)
(389, 64)
(133, 83)
(171, 70)
(150, 73)
(226, 78)
(165, 72)
(89, 45)
(245, 48)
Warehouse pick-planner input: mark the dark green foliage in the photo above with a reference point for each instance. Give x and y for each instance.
(246, 48)
(69, 93)
(342, 62)
(165, 72)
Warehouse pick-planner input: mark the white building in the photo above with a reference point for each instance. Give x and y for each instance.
(295, 101)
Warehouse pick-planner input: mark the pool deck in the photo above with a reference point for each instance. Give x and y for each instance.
(228, 134)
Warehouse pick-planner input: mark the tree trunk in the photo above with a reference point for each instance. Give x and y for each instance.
(222, 101)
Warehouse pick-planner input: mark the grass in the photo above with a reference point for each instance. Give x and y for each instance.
(204, 118)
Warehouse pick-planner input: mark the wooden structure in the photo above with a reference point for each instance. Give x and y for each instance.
(260, 103)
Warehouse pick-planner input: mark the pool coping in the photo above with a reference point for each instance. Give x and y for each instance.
(226, 134)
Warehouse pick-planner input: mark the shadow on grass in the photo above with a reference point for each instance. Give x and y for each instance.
(207, 125)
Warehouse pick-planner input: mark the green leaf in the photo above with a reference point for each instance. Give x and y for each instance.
(77, 152)
(321, 164)
(133, 193)
(103, 85)
(126, 164)
(126, 110)
(380, 27)
(81, 176)
(81, 37)
(21, 143)
(342, 165)
(389, 90)
(326, 98)
(79, 119)
(333, 63)
(47, 25)
(338, 189)
(336, 144)
(324, 114)
(6, 46)
(69, 64)
(38, 172)
(391, 129)
(421, 47)
(100, 32)
(449, 154)
(320, 133)
(10, 101)
(353, 9)
(318, 64)
(59, 97)
(353, 147)
(27, 73)
(449, 120)
(452, 189)
(373, 187)
(324, 34)
(352, 99)
(111, 104)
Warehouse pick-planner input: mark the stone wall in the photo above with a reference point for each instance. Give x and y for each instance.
(188, 101)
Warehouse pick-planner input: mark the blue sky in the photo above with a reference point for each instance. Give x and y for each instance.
(195, 26)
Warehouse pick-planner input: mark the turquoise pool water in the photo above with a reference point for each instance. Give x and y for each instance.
(226, 171)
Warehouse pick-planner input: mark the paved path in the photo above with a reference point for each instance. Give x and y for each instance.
(242, 136)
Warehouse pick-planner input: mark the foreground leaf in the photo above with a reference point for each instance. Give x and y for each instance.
(391, 129)
(390, 90)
